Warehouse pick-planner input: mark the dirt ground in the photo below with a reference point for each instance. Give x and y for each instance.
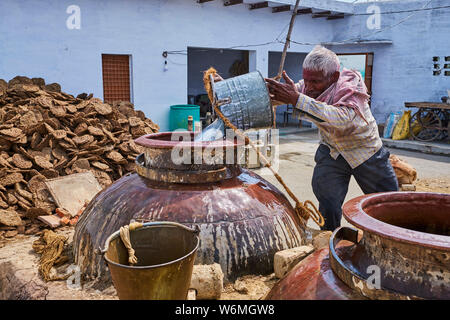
(296, 152)
(250, 287)
(441, 185)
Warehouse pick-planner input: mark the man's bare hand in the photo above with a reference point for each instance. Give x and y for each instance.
(284, 92)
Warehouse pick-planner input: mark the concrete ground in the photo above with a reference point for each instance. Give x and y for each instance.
(296, 164)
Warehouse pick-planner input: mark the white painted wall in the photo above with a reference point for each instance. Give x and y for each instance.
(35, 42)
(403, 70)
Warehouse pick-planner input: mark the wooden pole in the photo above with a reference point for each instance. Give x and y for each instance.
(288, 40)
(283, 55)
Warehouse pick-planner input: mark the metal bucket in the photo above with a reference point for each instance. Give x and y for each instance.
(246, 101)
(166, 252)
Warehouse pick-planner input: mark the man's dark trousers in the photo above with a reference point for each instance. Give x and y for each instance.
(331, 179)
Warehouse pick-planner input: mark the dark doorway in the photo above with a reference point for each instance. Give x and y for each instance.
(228, 63)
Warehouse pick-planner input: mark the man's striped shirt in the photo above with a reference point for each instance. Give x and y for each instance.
(341, 129)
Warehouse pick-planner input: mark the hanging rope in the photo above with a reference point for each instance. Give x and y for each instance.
(125, 236)
(303, 210)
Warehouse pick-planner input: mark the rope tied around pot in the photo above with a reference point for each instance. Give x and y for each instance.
(125, 237)
(303, 210)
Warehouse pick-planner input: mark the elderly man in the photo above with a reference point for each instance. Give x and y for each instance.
(349, 141)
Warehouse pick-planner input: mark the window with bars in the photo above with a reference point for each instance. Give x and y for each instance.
(116, 77)
(437, 68)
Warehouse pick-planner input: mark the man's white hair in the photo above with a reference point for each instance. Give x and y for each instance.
(322, 59)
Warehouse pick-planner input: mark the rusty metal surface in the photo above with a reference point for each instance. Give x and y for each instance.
(163, 140)
(160, 149)
(313, 279)
(412, 262)
(166, 255)
(384, 213)
(179, 176)
(351, 276)
(408, 269)
(404, 234)
(243, 220)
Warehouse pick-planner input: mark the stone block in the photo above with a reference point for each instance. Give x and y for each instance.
(53, 221)
(408, 187)
(207, 280)
(285, 260)
(192, 295)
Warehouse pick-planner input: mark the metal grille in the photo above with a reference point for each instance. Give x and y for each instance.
(116, 77)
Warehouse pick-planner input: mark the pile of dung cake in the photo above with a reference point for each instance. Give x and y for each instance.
(46, 133)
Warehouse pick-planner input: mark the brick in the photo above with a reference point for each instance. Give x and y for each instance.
(73, 221)
(240, 287)
(408, 187)
(53, 221)
(61, 212)
(20, 278)
(65, 221)
(285, 260)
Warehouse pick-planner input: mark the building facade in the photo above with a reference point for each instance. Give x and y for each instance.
(165, 44)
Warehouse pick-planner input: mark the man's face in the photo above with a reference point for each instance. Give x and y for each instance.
(315, 82)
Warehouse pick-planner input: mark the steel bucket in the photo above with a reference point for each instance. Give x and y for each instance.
(245, 101)
(166, 252)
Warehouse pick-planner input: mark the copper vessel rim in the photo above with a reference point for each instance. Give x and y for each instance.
(116, 235)
(354, 213)
(156, 140)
